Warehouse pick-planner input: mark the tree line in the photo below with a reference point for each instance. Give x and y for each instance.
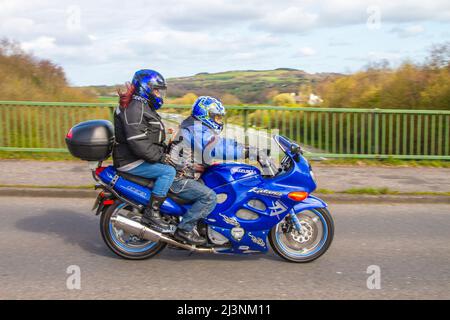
(26, 77)
(410, 86)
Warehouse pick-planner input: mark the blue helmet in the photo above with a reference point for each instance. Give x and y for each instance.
(210, 111)
(150, 85)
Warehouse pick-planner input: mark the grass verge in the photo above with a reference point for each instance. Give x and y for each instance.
(44, 156)
(357, 191)
(384, 162)
(381, 191)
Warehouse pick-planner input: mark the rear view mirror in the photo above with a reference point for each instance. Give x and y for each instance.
(295, 149)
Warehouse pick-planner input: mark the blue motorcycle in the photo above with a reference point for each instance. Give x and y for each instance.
(254, 208)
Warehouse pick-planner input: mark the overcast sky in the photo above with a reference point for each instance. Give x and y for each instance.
(104, 42)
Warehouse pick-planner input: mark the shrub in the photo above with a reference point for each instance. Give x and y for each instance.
(230, 99)
(29, 78)
(187, 99)
(284, 99)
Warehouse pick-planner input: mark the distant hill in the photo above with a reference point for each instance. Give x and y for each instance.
(249, 86)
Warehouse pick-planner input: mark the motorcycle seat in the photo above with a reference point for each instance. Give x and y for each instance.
(145, 182)
(149, 183)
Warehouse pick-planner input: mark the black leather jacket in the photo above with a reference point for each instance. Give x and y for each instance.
(140, 135)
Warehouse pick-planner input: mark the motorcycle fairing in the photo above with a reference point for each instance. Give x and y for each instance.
(251, 242)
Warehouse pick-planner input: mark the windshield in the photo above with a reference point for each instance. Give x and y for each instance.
(278, 162)
(284, 143)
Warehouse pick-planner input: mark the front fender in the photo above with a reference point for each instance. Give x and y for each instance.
(311, 202)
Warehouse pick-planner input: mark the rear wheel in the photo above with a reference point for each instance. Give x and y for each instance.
(126, 245)
(310, 243)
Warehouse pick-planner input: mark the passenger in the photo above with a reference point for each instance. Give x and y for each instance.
(140, 147)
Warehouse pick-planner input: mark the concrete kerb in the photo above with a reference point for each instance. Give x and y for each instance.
(333, 198)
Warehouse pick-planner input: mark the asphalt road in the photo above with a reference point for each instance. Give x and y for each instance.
(41, 237)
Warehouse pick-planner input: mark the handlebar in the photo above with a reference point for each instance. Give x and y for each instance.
(268, 166)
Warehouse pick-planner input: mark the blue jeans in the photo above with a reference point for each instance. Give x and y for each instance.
(162, 173)
(204, 198)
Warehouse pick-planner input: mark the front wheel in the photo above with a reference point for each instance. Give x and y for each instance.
(126, 245)
(314, 239)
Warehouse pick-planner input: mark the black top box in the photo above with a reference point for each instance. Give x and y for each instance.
(91, 140)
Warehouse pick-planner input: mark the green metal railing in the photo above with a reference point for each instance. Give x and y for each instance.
(329, 132)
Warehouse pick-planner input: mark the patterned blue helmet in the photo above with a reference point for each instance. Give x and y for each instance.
(210, 111)
(150, 85)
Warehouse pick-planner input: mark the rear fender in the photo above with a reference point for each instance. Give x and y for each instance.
(311, 202)
(104, 199)
(100, 208)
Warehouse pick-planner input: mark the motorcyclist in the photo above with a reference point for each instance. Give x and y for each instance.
(140, 147)
(199, 144)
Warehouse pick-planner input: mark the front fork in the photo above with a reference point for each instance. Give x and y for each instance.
(295, 220)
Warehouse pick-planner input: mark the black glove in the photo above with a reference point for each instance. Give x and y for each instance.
(253, 153)
(250, 153)
(263, 155)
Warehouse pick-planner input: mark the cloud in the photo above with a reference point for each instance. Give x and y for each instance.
(408, 31)
(343, 12)
(306, 52)
(40, 44)
(16, 25)
(338, 43)
(184, 36)
(384, 55)
(289, 20)
(201, 15)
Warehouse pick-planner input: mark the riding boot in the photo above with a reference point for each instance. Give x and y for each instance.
(151, 215)
(191, 237)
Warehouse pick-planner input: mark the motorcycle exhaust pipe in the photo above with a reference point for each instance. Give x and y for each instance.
(146, 233)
